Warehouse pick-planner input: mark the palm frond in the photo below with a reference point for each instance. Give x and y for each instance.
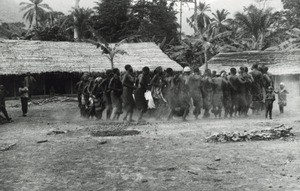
(45, 6)
(119, 51)
(26, 6)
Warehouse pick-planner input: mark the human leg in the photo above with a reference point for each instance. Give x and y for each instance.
(281, 108)
(24, 103)
(3, 110)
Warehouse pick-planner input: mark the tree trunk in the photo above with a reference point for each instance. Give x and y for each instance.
(205, 59)
(112, 62)
(36, 15)
(76, 29)
(195, 16)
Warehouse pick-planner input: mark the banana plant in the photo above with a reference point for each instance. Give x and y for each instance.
(109, 50)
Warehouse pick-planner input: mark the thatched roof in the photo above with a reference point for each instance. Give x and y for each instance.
(279, 62)
(18, 57)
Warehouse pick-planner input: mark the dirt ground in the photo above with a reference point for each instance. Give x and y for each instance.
(165, 156)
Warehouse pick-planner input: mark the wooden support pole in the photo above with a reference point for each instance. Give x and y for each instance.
(44, 84)
(72, 91)
(15, 88)
(299, 83)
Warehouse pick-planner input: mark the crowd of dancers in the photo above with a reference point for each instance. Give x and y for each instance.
(169, 93)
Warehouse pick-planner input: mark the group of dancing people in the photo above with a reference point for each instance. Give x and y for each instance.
(171, 93)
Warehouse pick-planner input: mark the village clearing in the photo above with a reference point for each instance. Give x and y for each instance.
(55, 149)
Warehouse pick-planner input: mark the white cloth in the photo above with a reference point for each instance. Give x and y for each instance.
(149, 98)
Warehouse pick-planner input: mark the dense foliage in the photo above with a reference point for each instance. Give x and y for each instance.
(256, 28)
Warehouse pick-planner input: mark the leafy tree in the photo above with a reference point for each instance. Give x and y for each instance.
(110, 19)
(186, 53)
(220, 20)
(34, 10)
(82, 22)
(59, 27)
(12, 30)
(292, 12)
(256, 26)
(154, 19)
(201, 16)
(51, 18)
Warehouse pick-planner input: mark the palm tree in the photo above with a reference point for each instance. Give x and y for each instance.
(220, 20)
(198, 48)
(255, 24)
(51, 18)
(211, 41)
(293, 41)
(34, 10)
(200, 17)
(76, 30)
(81, 22)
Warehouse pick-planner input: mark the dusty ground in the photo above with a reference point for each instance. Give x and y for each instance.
(165, 156)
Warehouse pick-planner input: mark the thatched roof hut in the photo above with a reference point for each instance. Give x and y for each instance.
(279, 62)
(284, 65)
(18, 57)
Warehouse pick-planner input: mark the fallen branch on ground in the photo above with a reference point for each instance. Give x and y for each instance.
(7, 147)
(255, 135)
(54, 99)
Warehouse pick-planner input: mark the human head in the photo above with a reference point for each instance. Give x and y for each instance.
(255, 66)
(186, 70)
(207, 72)
(109, 73)
(98, 79)
(28, 73)
(260, 68)
(169, 72)
(91, 79)
(241, 70)
(128, 68)
(146, 70)
(214, 73)
(232, 71)
(246, 70)
(281, 85)
(116, 71)
(223, 74)
(265, 69)
(270, 89)
(158, 70)
(196, 70)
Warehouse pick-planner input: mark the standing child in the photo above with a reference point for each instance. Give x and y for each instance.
(23, 90)
(282, 97)
(270, 98)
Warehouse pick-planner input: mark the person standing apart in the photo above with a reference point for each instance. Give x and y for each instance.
(270, 98)
(282, 92)
(29, 83)
(23, 90)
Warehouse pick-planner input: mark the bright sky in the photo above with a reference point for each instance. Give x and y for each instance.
(231, 5)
